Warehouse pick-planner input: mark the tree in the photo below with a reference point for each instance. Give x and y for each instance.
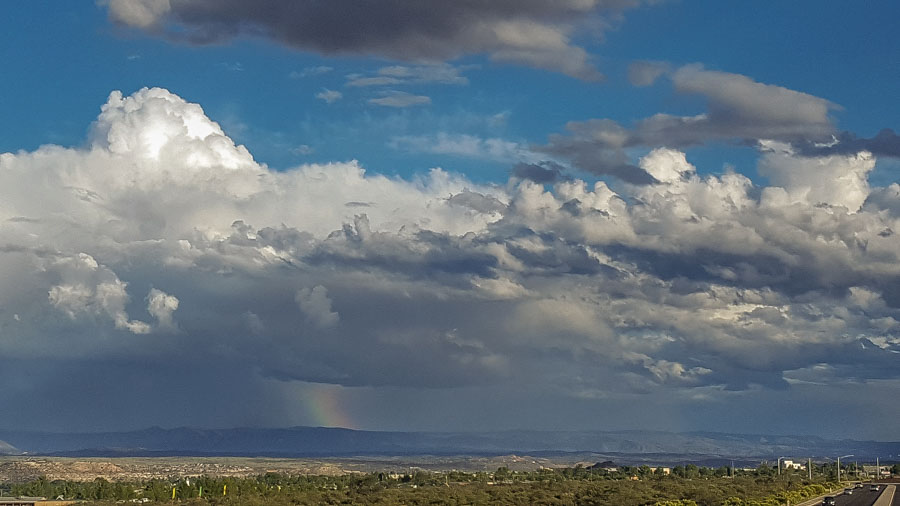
(691, 471)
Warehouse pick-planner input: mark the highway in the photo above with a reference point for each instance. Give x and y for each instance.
(861, 497)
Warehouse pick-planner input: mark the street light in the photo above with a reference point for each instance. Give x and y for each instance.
(839, 466)
(779, 464)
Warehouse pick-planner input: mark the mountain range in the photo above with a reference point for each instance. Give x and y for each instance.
(338, 442)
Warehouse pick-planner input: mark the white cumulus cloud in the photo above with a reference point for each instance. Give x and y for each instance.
(316, 306)
(687, 282)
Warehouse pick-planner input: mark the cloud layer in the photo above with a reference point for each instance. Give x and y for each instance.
(530, 32)
(164, 246)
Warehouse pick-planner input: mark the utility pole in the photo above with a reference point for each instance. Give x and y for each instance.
(839, 466)
(809, 467)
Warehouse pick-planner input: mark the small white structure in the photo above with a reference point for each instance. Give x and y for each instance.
(793, 465)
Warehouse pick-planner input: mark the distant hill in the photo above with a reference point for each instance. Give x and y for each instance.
(336, 442)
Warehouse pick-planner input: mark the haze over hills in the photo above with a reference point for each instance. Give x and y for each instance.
(336, 442)
(8, 449)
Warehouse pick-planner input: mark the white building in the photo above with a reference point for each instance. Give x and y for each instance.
(790, 464)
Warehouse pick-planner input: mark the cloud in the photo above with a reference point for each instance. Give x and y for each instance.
(885, 143)
(316, 306)
(463, 145)
(400, 99)
(738, 109)
(357, 80)
(232, 66)
(529, 32)
(161, 306)
(88, 288)
(596, 147)
(667, 165)
(645, 73)
(310, 72)
(542, 172)
(441, 73)
(141, 14)
(831, 180)
(160, 241)
(303, 150)
(886, 199)
(329, 96)
(484, 204)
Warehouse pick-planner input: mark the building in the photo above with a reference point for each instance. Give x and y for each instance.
(885, 471)
(790, 464)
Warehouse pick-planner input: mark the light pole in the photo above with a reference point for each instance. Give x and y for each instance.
(839, 466)
(779, 465)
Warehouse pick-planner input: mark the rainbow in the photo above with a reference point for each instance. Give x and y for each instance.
(323, 405)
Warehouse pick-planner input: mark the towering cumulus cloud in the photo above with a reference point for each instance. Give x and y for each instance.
(531, 32)
(164, 257)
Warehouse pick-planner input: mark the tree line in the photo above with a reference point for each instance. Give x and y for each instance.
(625, 485)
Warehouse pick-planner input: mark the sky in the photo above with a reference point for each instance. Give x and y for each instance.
(452, 216)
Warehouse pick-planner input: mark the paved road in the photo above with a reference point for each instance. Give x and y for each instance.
(859, 497)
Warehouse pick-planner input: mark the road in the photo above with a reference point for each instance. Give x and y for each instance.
(861, 497)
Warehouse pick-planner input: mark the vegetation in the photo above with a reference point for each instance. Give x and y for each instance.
(686, 486)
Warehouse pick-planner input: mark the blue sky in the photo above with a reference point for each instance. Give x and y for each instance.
(180, 175)
(826, 49)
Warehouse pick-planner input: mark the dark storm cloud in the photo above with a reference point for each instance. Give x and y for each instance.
(530, 32)
(119, 392)
(545, 172)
